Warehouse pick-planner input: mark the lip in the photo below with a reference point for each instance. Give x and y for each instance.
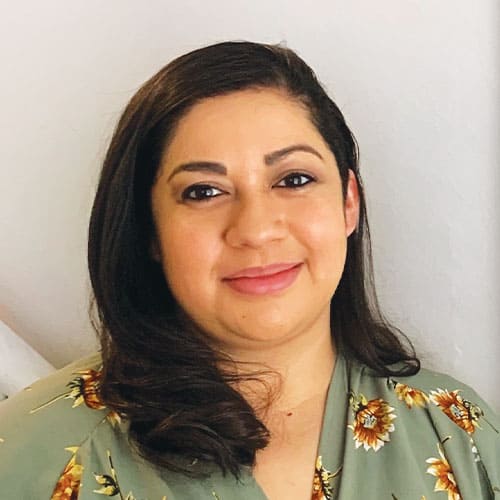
(256, 272)
(264, 283)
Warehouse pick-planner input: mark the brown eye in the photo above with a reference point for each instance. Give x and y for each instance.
(200, 192)
(295, 180)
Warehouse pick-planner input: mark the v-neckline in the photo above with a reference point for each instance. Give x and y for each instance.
(331, 441)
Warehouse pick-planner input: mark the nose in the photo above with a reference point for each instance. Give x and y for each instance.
(256, 220)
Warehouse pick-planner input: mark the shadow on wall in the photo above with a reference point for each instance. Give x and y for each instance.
(20, 364)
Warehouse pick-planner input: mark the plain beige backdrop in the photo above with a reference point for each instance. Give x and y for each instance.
(419, 84)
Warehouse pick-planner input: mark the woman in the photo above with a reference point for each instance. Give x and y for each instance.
(243, 355)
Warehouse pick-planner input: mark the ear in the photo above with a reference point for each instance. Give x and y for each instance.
(351, 204)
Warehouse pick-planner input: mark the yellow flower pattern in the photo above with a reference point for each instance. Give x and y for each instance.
(84, 388)
(373, 425)
(411, 396)
(372, 422)
(109, 482)
(441, 469)
(109, 485)
(465, 414)
(68, 485)
(322, 489)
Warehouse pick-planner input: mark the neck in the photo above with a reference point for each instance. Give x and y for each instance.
(299, 374)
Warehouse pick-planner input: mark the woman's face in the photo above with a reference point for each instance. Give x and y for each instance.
(247, 181)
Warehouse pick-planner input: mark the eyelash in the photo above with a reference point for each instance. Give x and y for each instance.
(205, 187)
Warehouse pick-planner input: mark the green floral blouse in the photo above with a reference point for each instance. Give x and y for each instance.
(409, 438)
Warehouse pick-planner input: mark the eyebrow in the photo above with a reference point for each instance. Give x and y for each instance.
(218, 168)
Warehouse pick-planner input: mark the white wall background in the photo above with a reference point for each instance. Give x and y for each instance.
(418, 82)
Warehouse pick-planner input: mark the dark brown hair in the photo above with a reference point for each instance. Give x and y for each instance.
(158, 370)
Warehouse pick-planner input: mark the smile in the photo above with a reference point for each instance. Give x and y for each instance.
(262, 285)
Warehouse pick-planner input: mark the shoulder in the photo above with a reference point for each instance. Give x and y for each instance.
(53, 397)
(45, 421)
(459, 401)
(428, 413)
(437, 407)
(456, 400)
(437, 386)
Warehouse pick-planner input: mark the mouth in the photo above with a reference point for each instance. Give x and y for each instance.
(257, 272)
(265, 280)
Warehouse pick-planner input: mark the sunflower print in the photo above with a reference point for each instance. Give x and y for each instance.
(68, 485)
(411, 396)
(109, 483)
(441, 469)
(372, 421)
(465, 414)
(84, 389)
(322, 490)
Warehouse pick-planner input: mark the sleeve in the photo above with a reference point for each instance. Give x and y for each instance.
(485, 440)
(41, 431)
(469, 431)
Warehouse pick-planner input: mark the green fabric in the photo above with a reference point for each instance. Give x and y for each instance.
(381, 439)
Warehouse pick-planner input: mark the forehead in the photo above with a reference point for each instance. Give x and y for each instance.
(251, 121)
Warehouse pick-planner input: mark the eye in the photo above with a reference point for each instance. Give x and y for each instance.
(200, 192)
(296, 180)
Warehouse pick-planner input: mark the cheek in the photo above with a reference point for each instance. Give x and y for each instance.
(323, 231)
(189, 254)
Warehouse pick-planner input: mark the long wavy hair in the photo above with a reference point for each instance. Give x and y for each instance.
(159, 372)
